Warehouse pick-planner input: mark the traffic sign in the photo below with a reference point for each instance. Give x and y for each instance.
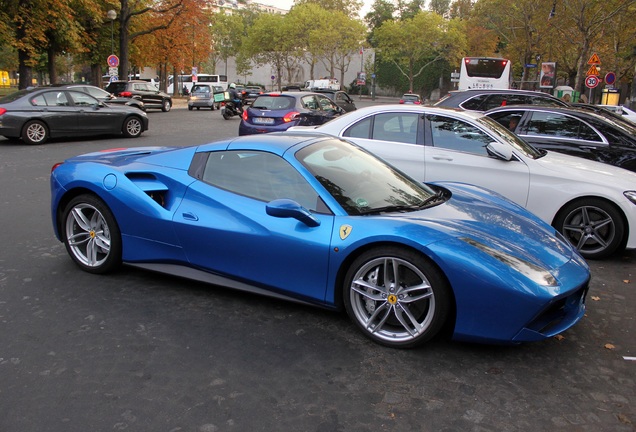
(591, 81)
(113, 60)
(593, 71)
(595, 59)
(610, 78)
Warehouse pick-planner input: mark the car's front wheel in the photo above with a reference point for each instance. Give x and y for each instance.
(132, 127)
(91, 234)
(166, 105)
(397, 297)
(594, 226)
(35, 132)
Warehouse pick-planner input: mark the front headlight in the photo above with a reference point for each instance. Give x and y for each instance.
(538, 275)
(630, 195)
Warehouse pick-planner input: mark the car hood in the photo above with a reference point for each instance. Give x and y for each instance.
(478, 216)
(575, 169)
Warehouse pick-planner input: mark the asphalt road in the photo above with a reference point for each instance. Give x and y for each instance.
(138, 351)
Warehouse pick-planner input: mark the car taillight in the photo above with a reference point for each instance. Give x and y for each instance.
(57, 165)
(417, 102)
(3, 110)
(401, 101)
(291, 116)
(125, 94)
(244, 115)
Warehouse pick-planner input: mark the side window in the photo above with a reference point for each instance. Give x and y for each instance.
(494, 101)
(52, 99)
(39, 100)
(82, 99)
(559, 125)
(474, 103)
(325, 103)
(362, 129)
(454, 134)
(397, 127)
(509, 119)
(259, 175)
(310, 102)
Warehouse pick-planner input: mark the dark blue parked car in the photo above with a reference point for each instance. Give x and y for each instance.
(276, 112)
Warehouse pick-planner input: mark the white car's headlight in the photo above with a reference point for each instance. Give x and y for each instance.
(532, 271)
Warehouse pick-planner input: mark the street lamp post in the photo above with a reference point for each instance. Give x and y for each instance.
(111, 14)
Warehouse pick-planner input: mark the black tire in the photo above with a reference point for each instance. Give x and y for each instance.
(166, 105)
(35, 132)
(226, 116)
(198, 108)
(132, 127)
(393, 316)
(189, 108)
(594, 226)
(91, 235)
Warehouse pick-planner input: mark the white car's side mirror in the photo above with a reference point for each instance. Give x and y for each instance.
(502, 151)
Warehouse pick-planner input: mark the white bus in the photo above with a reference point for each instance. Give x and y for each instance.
(484, 73)
(186, 80)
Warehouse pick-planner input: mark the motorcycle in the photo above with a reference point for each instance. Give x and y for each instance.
(229, 110)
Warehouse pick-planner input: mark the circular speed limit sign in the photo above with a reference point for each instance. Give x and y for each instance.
(591, 81)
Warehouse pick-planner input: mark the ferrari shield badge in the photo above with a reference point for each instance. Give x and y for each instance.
(345, 230)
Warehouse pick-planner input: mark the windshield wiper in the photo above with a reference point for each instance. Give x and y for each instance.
(406, 207)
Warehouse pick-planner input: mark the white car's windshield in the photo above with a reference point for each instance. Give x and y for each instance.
(512, 139)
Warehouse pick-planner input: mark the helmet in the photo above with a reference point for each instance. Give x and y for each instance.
(232, 85)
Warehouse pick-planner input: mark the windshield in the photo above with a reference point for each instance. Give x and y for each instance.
(361, 183)
(512, 139)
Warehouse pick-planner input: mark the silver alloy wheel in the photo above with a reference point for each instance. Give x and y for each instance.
(35, 132)
(589, 228)
(88, 235)
(166, 106)
(133, 127)
(392, 299)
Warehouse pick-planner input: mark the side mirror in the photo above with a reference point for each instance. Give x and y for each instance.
(286, 208)
(499, 150)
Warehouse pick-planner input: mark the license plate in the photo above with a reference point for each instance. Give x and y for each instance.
(263, 120)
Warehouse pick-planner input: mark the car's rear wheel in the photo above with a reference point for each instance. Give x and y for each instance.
(189, 108)
(397, 297)
(35, 132)
(132, 127)
(594, 226)
(91, 234)
(166, 105)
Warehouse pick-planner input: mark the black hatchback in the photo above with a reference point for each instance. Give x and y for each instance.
(574, 131)
(483, 100)
(147, 92)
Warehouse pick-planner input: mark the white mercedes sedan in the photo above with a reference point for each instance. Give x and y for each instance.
(592, 204)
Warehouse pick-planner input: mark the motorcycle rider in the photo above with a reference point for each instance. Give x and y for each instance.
(235, 97)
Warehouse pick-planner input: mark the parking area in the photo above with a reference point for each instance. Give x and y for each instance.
(139, 351)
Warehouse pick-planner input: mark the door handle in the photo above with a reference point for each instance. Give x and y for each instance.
(190, 216)
(444, 158)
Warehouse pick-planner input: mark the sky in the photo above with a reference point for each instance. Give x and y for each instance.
(287, 4)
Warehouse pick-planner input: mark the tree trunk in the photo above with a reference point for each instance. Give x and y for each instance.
(50, 53)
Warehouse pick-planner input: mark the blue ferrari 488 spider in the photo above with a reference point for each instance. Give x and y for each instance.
(318, 220)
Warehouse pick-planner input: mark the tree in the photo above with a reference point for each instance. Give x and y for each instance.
(416, 43)
(268, 42)
(131, 15)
